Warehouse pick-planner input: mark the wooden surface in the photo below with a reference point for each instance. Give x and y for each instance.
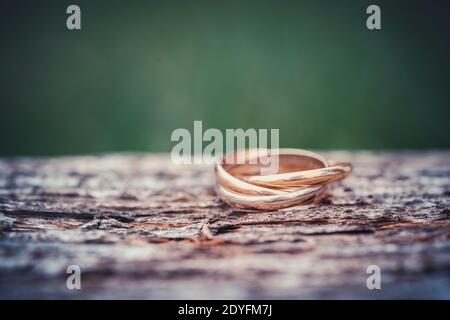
(141, 227)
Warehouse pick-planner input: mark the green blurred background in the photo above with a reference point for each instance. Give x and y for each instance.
(140, 69)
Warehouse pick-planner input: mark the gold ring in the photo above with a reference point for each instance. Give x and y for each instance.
(302, 177)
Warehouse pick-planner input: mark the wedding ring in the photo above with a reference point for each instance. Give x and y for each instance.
(302, 177)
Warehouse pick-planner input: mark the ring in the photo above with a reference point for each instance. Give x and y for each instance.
(302, 177)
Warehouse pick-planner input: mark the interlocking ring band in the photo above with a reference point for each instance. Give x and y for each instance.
(302, 178)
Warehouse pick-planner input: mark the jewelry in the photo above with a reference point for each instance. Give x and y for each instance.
(302, 177)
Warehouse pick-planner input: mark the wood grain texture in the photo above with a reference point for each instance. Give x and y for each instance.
(141, 227)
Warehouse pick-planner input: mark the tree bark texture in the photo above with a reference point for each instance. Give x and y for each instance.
(139, 226)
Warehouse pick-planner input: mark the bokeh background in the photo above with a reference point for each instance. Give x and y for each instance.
(140, 69)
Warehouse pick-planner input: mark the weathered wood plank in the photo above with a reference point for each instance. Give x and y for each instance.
(141, 227)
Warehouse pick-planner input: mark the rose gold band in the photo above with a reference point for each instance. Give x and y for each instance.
(302, 177)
